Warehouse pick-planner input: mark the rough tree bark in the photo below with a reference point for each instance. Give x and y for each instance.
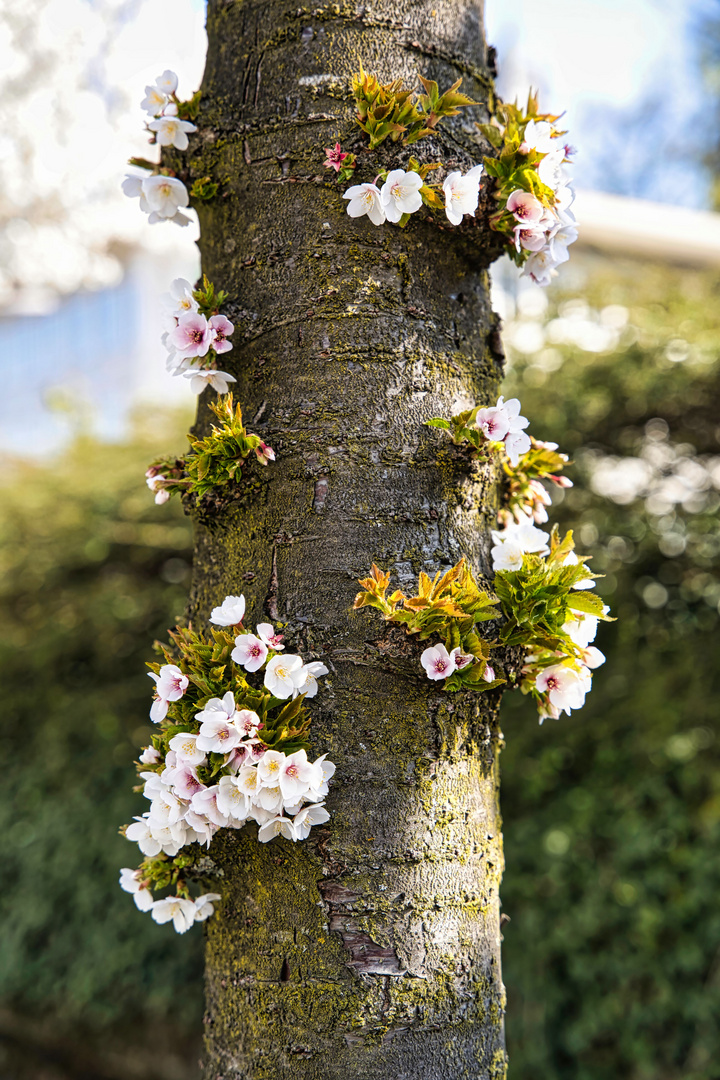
(372, 950)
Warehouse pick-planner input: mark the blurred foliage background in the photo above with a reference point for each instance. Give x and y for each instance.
(612, 816)
(92, 572)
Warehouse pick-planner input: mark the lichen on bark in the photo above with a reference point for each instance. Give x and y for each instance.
(371, 950)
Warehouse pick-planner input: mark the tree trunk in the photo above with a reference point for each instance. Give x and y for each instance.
(370, 951)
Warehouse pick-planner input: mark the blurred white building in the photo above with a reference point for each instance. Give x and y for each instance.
(95, 356)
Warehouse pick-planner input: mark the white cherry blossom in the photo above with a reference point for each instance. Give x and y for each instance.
(306, 678)
(203, 828)
(217, 732)
(165, 196)
(279, 675)
(461, 659)
(176, 909)
(400, 194)
(262, 817)
(315, 814)
(529, 238)
(538, 136)
(230, 613)
(248, 781)
(592, 657)
(493, 422)
(247, 721)
(155, 483)
(277, 826)
(582, 629)
(185, 746)
(462, 194)
(154, 101)
(323, 772)
(170, 131)
(517, 442)
(192, 336)
(179, 300)
(205, 805)
(231, 801)
(296, 776)
(165, 809)
(219, 380)
(132, 186)
(132, 882)
(222, 328)
(270, 799)
(550, 169)
(525, 207)
(186, 782)
(204, 906)
(270, 767)
(540, 267)
(150, 756)
(167, 82)
(365, 199)
(512, 543)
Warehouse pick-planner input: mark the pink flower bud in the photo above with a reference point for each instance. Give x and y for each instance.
(264, 453)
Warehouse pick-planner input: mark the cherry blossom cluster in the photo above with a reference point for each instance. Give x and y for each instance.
(223, 760)
(532, 188)
(161, 102)
(403, 193)
(540, 583)
(498, 428)
(558, 673)
(194, 338)
(162, 196)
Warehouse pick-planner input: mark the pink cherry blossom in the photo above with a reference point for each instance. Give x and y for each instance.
(192, 336)
(170, 685)
(205, 804)
(531, 239)
(565, 687)
(493, 422)
(296, 776)
(462, 660)
(438, 662)
(186, 782)
(525, 207)
(222, 328)
(250, 652)
(267, 634)
(264, 453)
(334, 157)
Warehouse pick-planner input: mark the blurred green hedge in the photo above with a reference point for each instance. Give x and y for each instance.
(92, 572)
(612, 954)
(612, 815)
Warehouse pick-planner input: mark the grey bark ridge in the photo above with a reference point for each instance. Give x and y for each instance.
(370, 951)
